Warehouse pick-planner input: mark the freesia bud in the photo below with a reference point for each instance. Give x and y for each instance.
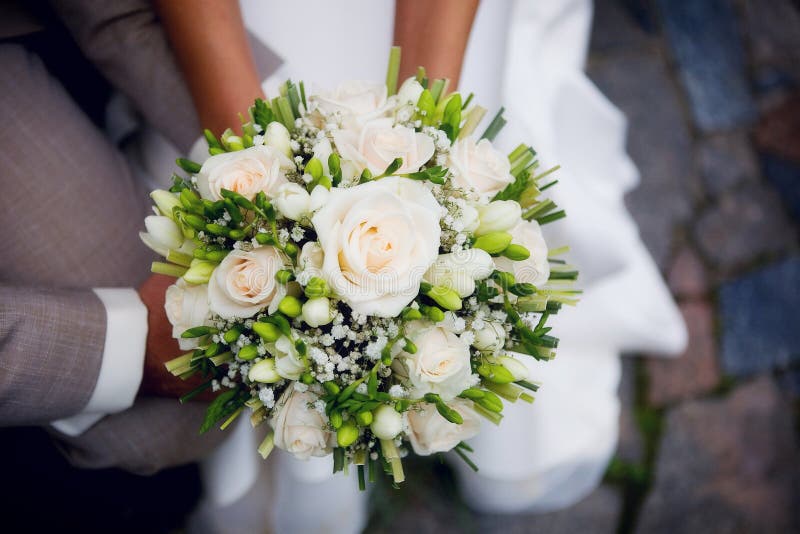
(490, 338)
(165, 201)
(314, 168)
(267, 331)
(445, 297)
(290, 306)
(347, 434)
(317, 287)
(516, 253)
(493, 243)
(277, 136)
(515, 367)
(264, 372)
(292, 200)
(498, 216)
(317, 312)
(164, 232)
(386, 422)
(199, 272)
(248, 352)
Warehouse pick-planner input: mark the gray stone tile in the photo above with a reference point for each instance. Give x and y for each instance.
(687, 276)
(727, 465)
(760, 315)
(725, 161)
(785, 176)
(614, 26)
(704, 37)
(771, 29)
(598, 513)
(658, 141)
(693, 373)
(742, 226)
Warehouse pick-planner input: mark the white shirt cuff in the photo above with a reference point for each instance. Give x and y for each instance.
(122, 364)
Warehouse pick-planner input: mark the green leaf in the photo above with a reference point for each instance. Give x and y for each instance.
(224, 405)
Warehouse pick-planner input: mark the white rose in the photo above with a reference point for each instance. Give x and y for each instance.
(379, 143)
(300, 430)
(287, 360)
(459, 270)
(357, 101)
(498, 216)
(278, 137)
(162, 234)
(430, 433)
(479, 166)
(292, 201)
(378, 239)
(536, 269)
(244, 283)
(491, 337)
(441, 364)
(186, 306)
(248, 171)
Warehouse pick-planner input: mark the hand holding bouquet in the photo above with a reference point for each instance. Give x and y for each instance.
(361, 271)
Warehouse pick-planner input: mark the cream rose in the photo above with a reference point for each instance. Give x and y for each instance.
(244, 283)
(355, 100)
(536, 269)
(248, 171)
(186, 306)
(478, 166)
(441, 364)
(379, 143)
(300, 430)
(377, 240)
(430, 433)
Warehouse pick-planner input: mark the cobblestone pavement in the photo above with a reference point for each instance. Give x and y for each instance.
(709, 441)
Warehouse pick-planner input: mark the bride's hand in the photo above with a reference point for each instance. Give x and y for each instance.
(434, 34)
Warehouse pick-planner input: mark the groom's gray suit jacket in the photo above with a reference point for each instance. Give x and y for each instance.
(70, 211)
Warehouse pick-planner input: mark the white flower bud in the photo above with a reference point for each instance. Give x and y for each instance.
(165, 201)
(292, 200)
(319, 196)
(163, 232)
(264, 372)
(386, 423)
(277, 136)
(469, 218)
(409, 92)
(490, 338)
(498, 216)
(515, 367)
(317, 312)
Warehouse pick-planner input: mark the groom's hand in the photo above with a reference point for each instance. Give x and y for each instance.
(161, 346)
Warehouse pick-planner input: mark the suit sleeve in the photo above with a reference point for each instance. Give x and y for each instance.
(51, 350)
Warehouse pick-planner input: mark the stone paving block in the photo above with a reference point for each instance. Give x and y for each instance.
(630, 447)
(760, 316)
(725, 161)
(727, 466)
(686, 276)
(614, 26)
(743, 226)
(696, 371)
(598, 513)
(704, 37)
(658, 142)
(778, 131)
(785, 176)
(772, 31)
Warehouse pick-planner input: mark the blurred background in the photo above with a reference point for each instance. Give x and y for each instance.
(709, 441)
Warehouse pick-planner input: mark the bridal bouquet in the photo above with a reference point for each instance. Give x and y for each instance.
(361, 271)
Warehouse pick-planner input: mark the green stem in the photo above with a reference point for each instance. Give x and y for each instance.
(393, 70)
(169, 269)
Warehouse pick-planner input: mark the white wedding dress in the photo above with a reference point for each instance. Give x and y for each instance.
(527, 55)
